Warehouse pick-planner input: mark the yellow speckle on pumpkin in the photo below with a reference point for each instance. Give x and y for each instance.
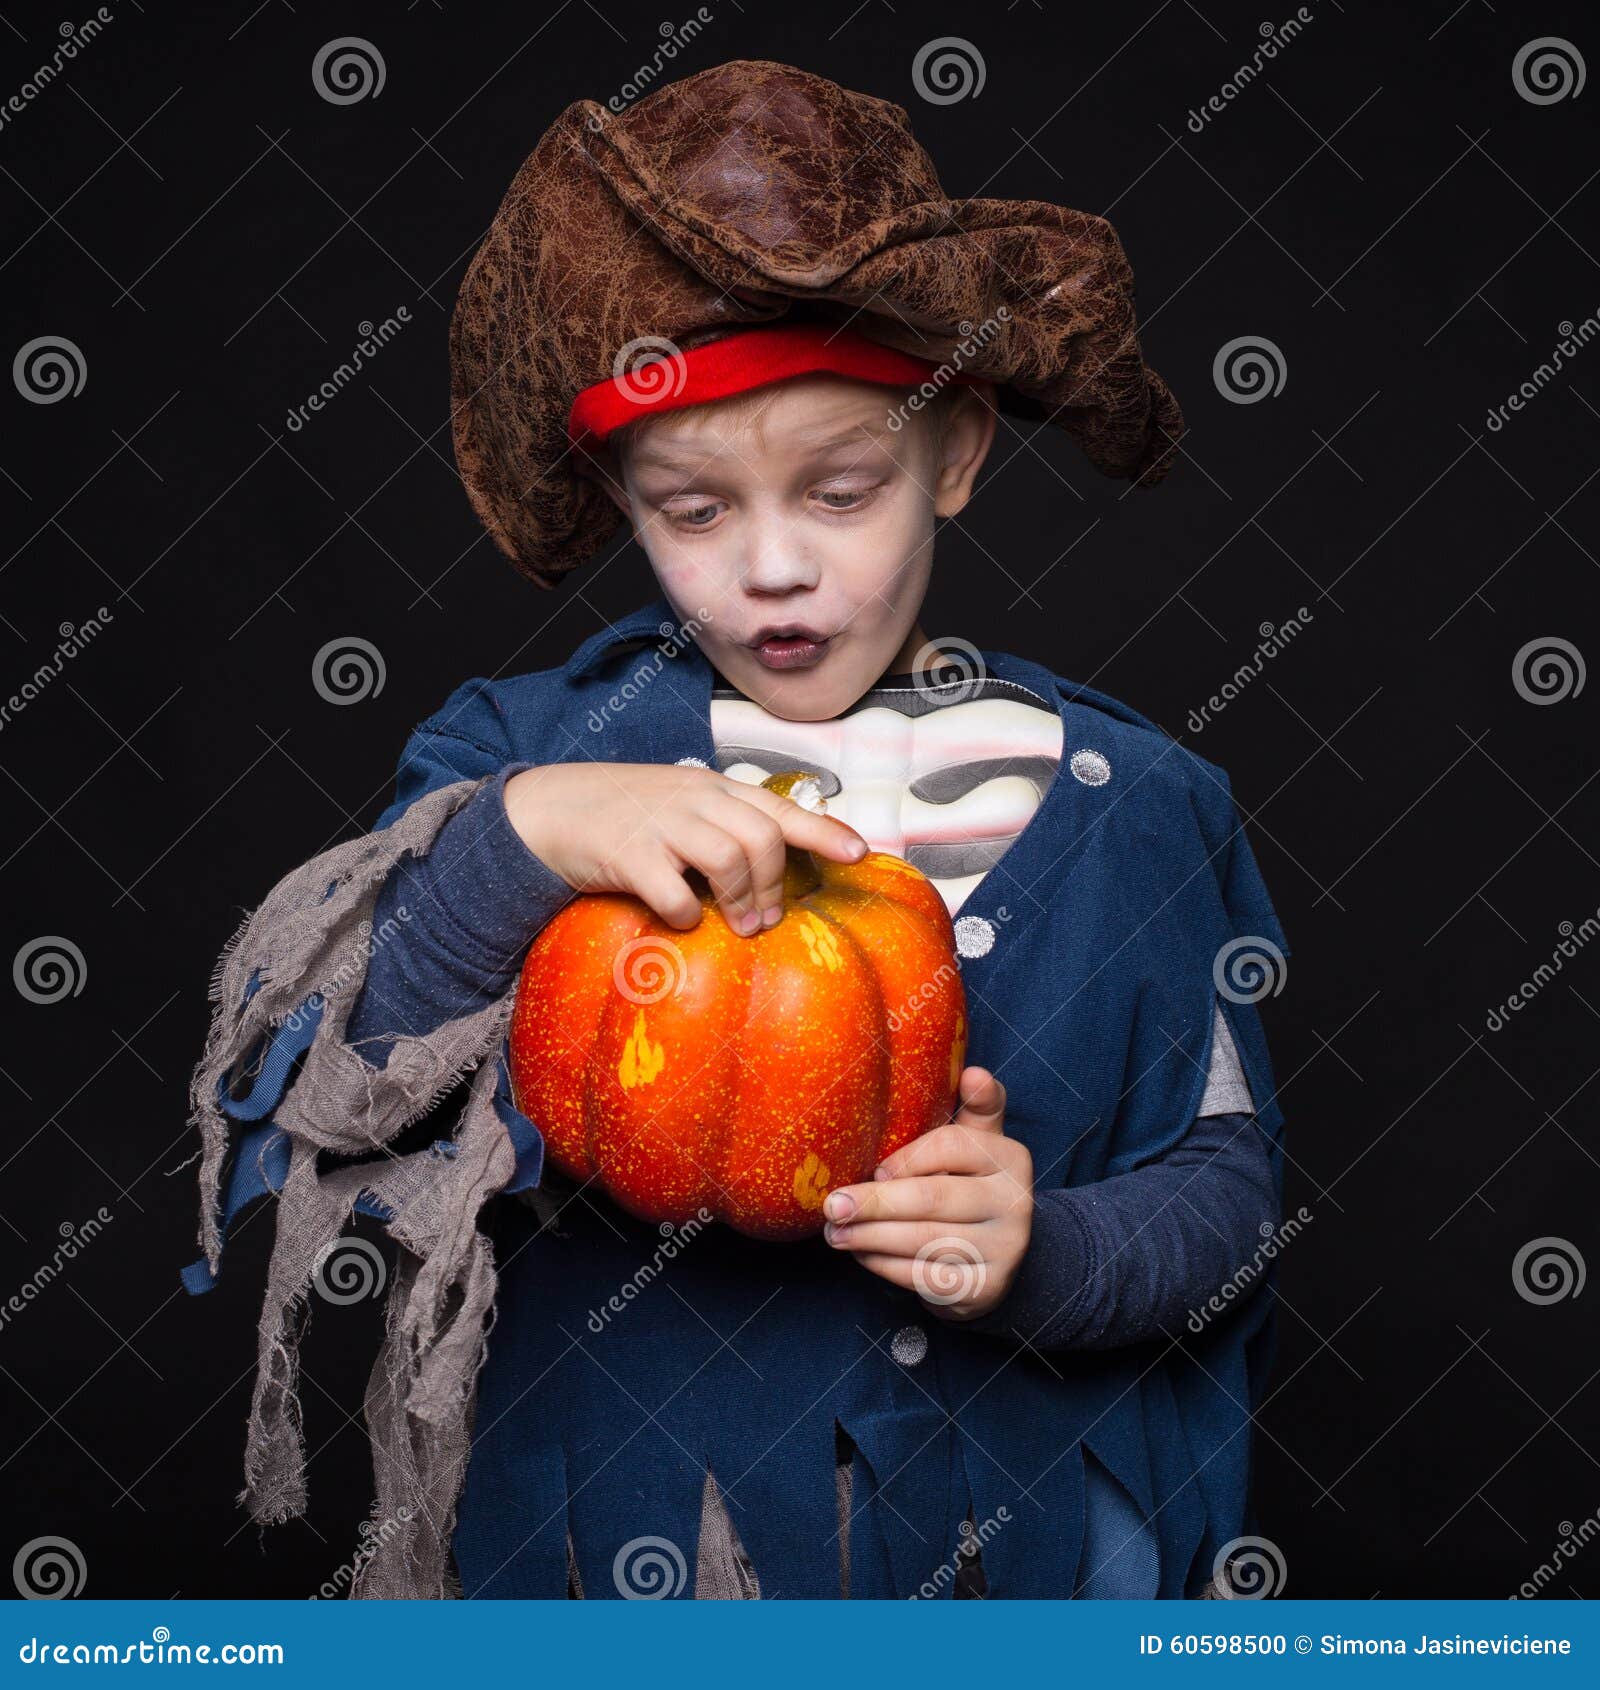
(811, 1181)
(641, 1060)
(820, 942)
(958, 1049)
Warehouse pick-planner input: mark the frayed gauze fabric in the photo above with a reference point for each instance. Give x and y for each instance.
(315, 926)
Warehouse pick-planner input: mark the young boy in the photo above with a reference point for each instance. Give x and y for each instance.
(994, 1374)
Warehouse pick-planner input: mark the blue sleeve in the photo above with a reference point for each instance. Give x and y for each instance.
(1131, 1258)
(465, 739)
(449, 930)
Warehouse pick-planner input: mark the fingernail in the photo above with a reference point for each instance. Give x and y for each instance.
(749, 922)
(840, 1206)
(881, 1171)
(830, 1232)
(858, 849)
(771, 918)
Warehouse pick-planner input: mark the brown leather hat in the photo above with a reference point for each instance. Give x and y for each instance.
(751, 192)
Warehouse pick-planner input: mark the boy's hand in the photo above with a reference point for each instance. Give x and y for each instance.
(636, 827)
(948, 1215)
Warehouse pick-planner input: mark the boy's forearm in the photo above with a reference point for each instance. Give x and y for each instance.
(450, 929)
(1126, 1259)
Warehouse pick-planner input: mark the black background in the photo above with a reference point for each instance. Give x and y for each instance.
(1382, 205)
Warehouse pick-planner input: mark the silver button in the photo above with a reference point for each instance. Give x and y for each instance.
(1091, 767)
(909, 1345)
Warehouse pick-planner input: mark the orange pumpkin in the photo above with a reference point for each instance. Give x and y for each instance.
(688, 1069)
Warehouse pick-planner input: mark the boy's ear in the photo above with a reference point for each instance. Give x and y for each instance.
(964, 442)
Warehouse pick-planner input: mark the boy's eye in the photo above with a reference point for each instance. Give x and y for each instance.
(694, 516)
(835, 500)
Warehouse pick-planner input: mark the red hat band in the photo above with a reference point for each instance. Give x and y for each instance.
(657, 376)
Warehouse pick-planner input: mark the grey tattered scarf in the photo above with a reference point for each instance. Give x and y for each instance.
(313, 934)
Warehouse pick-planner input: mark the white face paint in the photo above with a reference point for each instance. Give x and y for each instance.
(946, 775)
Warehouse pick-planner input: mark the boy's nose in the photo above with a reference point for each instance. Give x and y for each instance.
(777, 562)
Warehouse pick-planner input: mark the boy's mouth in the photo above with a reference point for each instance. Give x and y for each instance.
(790, 645)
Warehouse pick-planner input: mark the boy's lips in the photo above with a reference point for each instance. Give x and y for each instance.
(790, 645)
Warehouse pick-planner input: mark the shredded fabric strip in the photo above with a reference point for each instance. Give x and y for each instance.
(312, 936)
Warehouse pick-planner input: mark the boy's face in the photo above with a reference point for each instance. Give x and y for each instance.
(798, 506)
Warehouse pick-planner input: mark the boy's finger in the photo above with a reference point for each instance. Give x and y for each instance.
(982, 1101)
(720, 856)
(955, 1148)
(902, 1238)
(805, 828)
(936, 1197)
(655, 883)
(765, 848)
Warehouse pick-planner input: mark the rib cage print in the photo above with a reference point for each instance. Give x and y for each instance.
(945, 774)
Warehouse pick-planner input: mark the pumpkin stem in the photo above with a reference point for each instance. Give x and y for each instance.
(801, 875)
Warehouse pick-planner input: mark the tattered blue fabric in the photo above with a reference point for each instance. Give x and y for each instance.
(622, 1363)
